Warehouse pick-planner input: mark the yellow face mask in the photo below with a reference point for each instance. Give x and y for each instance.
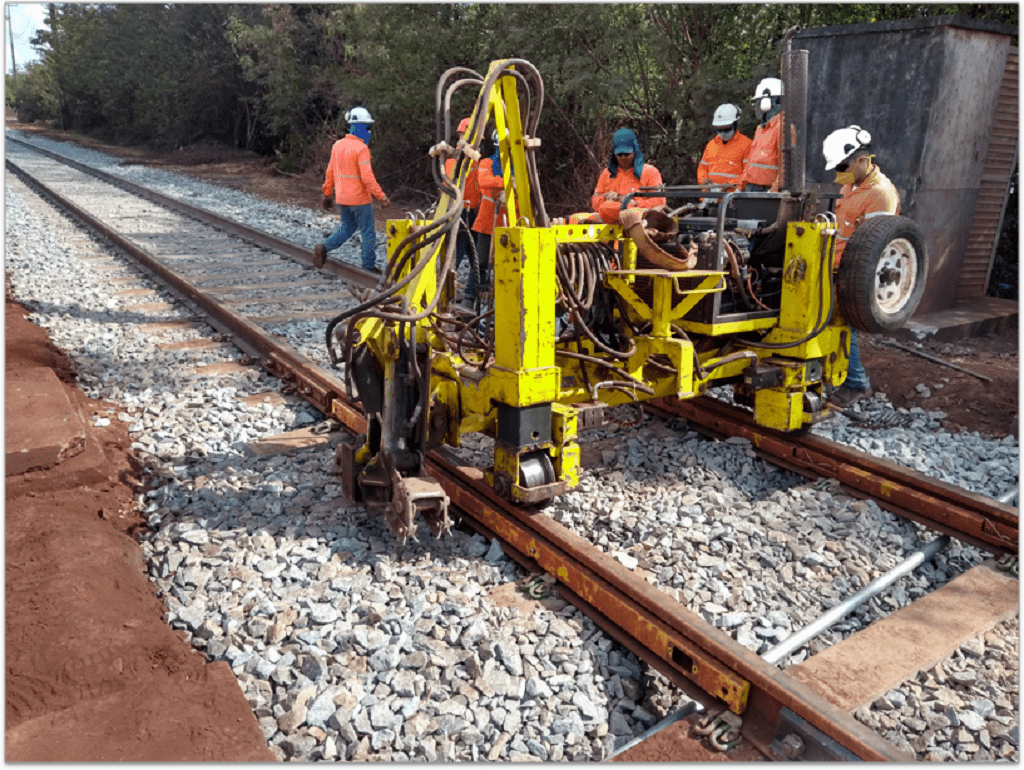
(847, 177)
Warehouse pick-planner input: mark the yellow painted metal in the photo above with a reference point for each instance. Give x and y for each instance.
(725, 328)
(779, 409)
(806, 291)
(564, 432)
(524, 371)
(663, 311)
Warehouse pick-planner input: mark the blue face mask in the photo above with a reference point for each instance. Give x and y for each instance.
(362, 130)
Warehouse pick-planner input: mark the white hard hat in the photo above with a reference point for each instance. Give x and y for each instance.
(358, 115)
(768, 87)
(842, 143)
(725, 115)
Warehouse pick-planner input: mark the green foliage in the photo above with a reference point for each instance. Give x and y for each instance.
(32, 94)
(278, 78)
(162, 75)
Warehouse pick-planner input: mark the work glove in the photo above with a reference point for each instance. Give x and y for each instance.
(327, 203)
(385, 202)
(612, 196)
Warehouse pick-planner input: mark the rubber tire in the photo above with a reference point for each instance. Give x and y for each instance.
(866, 252)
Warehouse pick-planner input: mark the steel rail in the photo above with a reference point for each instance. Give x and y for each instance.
(316, 385)
(982, 521)
(278, 245)
(688, 650)
(627, 606)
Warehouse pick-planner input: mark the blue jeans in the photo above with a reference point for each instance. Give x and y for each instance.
(357, 218)
(856, 377)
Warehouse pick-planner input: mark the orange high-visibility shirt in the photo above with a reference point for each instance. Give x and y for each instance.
(624, 183)
(763, 160)
(875, 196)
(723, 162)
(349, 174)
(491, 187)
(471, 195)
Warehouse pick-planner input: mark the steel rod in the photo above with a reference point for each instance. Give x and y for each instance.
(939, 361)
(800, 638)
(845, 607)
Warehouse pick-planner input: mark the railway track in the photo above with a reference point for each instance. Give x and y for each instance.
(217, 266)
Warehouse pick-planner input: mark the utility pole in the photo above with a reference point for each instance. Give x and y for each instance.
(10, 32)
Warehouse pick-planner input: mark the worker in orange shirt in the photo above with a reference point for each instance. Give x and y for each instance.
(867, 193)
(491, 213)
(725, 156)
(349, 183)
(762, 171)
(626, 173)
(470, 204)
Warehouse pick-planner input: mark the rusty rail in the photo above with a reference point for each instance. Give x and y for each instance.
(976, 519)
(278, 245)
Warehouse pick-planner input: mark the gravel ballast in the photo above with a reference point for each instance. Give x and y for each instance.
(346, 652)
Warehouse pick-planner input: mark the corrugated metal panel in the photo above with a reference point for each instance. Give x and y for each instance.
(990, 205)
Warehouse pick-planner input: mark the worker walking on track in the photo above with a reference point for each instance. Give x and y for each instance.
(350, 183)
(626, 173)
(725, 156)
(867, 193)
(762, 171)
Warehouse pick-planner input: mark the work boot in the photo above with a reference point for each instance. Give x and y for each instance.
(319, 255)
(845, 396)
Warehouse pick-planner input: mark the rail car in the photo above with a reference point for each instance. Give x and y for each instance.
(718, 288)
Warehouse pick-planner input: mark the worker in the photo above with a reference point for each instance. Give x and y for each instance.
(349, 183)
(470, 204)
(725, 156)
(866, 192)
(626, 173)
(490, 213)
(762, 171)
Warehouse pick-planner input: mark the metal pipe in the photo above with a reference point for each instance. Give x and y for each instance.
(800, 638)
(875, 587)
(693, 707)
(794, 121)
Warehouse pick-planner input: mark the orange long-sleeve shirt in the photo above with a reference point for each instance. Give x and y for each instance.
(349, 175)
(723, 162)
(491, 187)
(763, 160)
(471, 198)
(624, 183)
(874, 196)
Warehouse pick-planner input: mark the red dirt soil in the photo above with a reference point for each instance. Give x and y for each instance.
(93, 671)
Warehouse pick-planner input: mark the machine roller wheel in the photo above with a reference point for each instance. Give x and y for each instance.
(536, 470)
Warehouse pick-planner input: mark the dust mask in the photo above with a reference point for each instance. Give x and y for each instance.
(844, 177)
(727, 134)
(765, 105)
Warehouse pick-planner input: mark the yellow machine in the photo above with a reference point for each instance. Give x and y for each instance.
(727, 288)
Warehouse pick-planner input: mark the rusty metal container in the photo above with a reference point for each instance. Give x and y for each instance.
(939, 96)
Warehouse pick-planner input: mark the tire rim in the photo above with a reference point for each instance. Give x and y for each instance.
(895, 276)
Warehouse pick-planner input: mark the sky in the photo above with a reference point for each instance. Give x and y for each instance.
(26, 18)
